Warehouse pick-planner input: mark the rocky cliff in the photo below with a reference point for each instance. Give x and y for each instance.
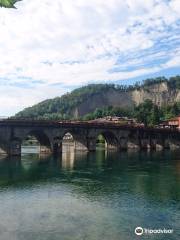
(160, 94)
(87, 99)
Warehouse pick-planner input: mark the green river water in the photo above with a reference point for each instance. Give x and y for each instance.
(89, 196)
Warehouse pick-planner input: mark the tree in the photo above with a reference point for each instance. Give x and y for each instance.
(143, 110)
(8, 3)
(154, 117)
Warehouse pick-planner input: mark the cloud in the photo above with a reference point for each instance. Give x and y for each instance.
(47, 48)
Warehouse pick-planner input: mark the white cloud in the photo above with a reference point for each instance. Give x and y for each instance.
(175, 5)
(173, 62)
(75, 42)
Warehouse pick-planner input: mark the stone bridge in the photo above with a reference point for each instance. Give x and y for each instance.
(50, 136)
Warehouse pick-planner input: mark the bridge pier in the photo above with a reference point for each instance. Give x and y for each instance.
(56, 146)
(85, 144)
(3, 152)
(111, 147)
(159, 147)
(153, 143)
(14, 148)
(156, 144)
(133, 144)
(145, 144)
(174, 144)
(91, 144)
(4, 149)
(79, 146)
(45, 149)
(166, 144)
(123, 143)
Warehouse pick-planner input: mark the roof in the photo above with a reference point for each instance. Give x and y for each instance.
(174, 119)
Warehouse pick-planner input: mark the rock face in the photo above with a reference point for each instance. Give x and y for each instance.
(87, 99)
(160, 94)
(109, 98)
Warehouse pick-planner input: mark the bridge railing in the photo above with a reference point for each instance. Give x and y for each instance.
(3, 118)
(95, 124)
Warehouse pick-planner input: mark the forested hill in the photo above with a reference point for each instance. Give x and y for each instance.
(96, 100)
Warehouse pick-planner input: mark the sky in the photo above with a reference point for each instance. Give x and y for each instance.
(48, 48)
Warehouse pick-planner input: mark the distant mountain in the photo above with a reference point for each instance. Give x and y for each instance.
(84, 101)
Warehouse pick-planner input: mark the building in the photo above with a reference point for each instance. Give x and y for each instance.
(172, 123)
(115, 119)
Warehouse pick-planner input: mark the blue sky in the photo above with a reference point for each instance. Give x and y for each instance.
(50, 47)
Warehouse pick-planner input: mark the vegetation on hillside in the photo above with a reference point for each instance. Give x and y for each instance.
(61, 108)
(109, 111)
(150, 114)
(172, 82)
(147, 112)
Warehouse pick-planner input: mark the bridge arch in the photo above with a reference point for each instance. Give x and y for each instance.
(133, 143)
(74, 139)
(68, 142)
(123, 142)
(173, 143)
(156, 143)
(111, 141)
(3, 148)
(11, 146)
(43, 140)
(57, 145)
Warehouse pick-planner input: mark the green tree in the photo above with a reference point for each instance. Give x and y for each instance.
(154, 116)
(170, 111)
(143, 111)
(8, 3)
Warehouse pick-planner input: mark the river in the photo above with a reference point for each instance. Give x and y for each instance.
(89, 196)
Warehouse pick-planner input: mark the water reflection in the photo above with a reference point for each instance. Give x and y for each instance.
(111, 191)
(155, 174)
(68, 160)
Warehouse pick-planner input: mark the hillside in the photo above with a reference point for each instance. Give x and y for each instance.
(86, 100)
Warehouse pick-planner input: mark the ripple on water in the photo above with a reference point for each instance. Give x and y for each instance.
(94, 197)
